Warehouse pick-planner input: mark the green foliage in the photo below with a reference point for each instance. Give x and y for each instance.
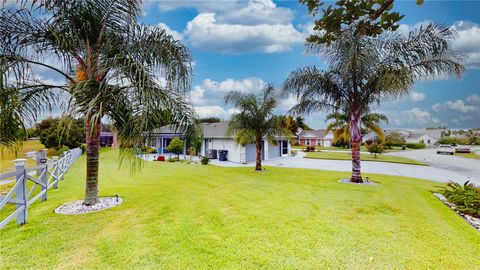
(205, 160)
(57, 132)
(340, 126)
(394, 139)
(375, 149)
(415, 145)
(151, 150)
(473, 140)
(370, 18)
(61, 150)
(466, 197)
(83, 147)
(175, 146)
(209, 120)
(174, 159)
(256, 120)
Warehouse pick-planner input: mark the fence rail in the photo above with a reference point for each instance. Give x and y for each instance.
(44, 176)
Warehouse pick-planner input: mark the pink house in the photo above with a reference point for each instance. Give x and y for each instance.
(315, 138)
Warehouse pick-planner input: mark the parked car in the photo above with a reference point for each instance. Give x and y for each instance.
(445, 149)
(462, 149)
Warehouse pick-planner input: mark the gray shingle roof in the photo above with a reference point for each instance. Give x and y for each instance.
(319, 133)
(215, 130)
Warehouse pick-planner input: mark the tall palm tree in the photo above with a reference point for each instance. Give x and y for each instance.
(109, 62)
(256, 120)
(341, 125)
(365, 70)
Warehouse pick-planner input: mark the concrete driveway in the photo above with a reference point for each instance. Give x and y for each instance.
(459, 170)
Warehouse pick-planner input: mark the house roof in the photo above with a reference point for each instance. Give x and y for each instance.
(416, 135)
(215, 130)
(314, 133)
(171, 129)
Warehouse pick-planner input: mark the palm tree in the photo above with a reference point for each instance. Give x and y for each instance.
(256, 120)
(366, 70)
(341, 125)
(109, 62)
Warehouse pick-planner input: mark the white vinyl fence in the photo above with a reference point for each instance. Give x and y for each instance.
(44, 176)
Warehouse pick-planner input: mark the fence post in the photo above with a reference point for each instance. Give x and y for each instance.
(42, 160)
(62, 165)
(21, 191)
(55, 171)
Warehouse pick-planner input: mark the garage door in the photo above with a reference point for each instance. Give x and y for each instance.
(251, 152)
(273, 150)
(327, 143)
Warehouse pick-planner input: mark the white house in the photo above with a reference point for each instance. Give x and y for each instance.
(425, 137)
(314, 137)
(215, 139)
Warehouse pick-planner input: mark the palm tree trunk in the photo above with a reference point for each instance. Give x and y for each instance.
(93, 147)
(356, 141)
(258, 141)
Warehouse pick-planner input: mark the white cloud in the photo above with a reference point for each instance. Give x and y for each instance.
(415, 117)
(214, 111)
(212, 92)
(205, 32)
(473, 99)
(466, 42)
(417, 96)
(176, 35)
(470, 105)
(288, 102)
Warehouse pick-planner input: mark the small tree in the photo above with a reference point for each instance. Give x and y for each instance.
(176, 146)
(375, 149)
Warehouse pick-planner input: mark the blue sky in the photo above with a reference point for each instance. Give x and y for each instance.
(241, 45)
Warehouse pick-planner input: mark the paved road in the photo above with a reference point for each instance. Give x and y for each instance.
(467, 167)
(459, 170)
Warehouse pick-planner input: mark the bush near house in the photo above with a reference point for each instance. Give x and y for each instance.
(415, 145)
(375, 149)
(176, 147)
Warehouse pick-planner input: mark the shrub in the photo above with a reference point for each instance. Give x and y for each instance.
(175, 159)
(151, 150)
(83, 147)
(310, 148)
(368, 142)
(466, 197)
(294, 152)
(205, 160)
(175, 146)
(375, 149)
(394, 139)
(62, 149)
(415, 145)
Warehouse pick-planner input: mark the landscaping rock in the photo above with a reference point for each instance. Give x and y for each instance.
(475, 222)
(77, 207)
(364, 183)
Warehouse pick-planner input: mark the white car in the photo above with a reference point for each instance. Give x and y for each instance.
(445, 149)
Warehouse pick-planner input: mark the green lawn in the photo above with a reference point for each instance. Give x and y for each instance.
(7, 157)
(364, 157)
(468, 155)
(179, 216)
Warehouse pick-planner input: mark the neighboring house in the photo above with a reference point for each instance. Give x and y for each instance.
(425, 137)
(160, 138)
(315, 138)
(108, 139)
(215, 138)
(371, 136)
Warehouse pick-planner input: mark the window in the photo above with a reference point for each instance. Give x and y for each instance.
(284, 147)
